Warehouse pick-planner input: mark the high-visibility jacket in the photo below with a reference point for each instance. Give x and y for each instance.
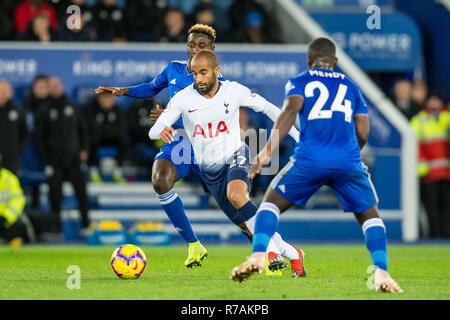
(433, 136)
(12, 200)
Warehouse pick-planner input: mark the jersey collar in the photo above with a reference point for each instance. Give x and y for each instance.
(218, 88)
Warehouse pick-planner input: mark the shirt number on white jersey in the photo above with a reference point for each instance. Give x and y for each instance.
(339, 103)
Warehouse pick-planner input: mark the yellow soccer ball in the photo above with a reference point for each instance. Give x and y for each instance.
(128, 261)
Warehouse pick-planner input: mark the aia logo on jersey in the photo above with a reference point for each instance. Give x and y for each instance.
(212, 133)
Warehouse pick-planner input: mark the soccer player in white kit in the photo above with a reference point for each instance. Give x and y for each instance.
(210, 112)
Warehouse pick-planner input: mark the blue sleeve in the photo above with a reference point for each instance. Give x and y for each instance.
(294, 87)
(150, 89)
(360, 103)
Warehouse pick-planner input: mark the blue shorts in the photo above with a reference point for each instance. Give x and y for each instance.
(237, 169)
(353, 187)
(181, 156)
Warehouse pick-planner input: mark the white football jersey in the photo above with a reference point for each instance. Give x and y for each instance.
(212, 125)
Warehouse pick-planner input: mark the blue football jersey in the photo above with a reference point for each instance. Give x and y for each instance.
(327, 130)
(175, 77)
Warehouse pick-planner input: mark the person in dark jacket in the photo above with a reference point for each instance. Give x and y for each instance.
(62, 141)
(109, 21)
(13, 129)
(107, 128)
(139, 122)
(33, 166)
(402, 98)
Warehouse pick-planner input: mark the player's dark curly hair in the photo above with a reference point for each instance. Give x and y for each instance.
(204, 29)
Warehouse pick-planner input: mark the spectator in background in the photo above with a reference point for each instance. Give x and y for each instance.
(37, 30)
(107, 127)
(109, 21)
(432, 126)
(83, 33)
(13, 129)
(37, 99)
(143, 17)
(62, 141)
(28, 9)
(402, 99)
(7, 29)
(174, 27)
(143, 150)
(204, 13)
(419, 92)
(38, 95)
(12, 202)
(251, 23)
(219, 10)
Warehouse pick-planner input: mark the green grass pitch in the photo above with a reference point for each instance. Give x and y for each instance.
(333, 272)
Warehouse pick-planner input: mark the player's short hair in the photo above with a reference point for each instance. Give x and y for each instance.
(204, 29)
(209, 55)
(322, 48)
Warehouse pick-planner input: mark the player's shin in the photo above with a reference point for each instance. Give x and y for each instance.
(376, 242)
(174, 208)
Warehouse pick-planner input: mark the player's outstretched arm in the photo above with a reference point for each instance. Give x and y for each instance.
(113, 90)
(292, 105)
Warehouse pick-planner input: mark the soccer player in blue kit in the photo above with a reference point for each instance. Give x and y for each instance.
(334, 127)
(165, 173)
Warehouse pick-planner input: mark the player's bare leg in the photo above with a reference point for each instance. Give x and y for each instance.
(383, 280)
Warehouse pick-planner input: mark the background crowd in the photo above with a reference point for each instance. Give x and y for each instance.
(142, 20)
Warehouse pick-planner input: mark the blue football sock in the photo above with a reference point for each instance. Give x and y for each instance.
(173, 206)
(265, 226)
(376, 242)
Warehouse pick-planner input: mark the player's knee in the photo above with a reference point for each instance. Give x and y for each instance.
(237, 199)
(161, 182)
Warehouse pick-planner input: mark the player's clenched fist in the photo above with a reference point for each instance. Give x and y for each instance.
(115, 91)
(167, 134)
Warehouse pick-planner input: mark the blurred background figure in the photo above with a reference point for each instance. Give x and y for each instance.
(28, 9)
(33, 167)
(13, 129)
(62, 141)
(107, 128)
(38, 29)
(252, 18)
(143, 18)
(402, 98)
(432, 127)
(109, 21)
(174, 27)
(84, 32)
(7, 29)
(142, 149)
(419, 92)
